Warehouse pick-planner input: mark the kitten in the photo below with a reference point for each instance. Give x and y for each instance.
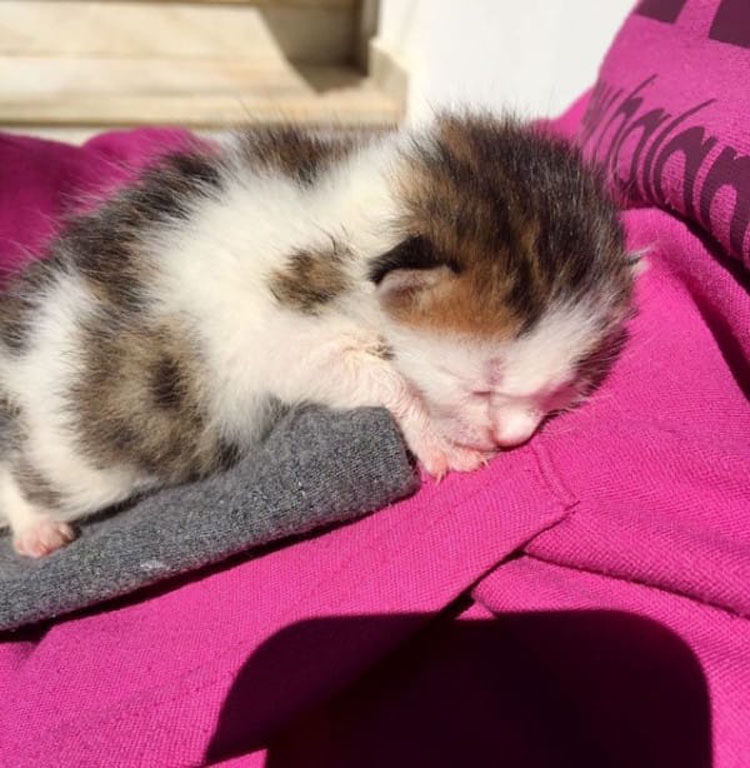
(464, 278)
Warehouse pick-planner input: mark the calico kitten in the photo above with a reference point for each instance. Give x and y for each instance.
(463, 277)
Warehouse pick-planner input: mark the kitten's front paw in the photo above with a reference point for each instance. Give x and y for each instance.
(42, 538)
(439, 456)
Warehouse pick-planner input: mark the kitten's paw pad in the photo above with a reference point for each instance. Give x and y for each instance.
(42, 538)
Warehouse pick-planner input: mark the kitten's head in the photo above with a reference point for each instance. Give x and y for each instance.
(510, 280)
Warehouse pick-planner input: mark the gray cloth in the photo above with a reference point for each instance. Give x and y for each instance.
(315, 468)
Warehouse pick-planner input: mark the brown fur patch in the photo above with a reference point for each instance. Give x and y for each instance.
(105, 246)
(138, 402)
(384, 350)
(103, 249)
(35, 487)
(518, 217)
(11, 432)
(311, 279)
(169, 383)
(298, 153)
(9, 410)
(454, 303)
(20, 301)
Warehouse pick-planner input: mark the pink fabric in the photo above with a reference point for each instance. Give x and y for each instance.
(620, 636)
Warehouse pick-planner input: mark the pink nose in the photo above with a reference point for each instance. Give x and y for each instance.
(515, 428)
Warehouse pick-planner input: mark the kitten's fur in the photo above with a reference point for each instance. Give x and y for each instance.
(459, 277)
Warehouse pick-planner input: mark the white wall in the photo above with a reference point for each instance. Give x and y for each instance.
(534, 56)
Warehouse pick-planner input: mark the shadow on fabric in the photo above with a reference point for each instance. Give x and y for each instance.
(575, 688)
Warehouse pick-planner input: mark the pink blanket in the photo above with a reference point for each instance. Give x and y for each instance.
(608, 562)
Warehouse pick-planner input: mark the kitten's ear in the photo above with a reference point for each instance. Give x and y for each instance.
(637, 261)
(401, 286)
(408, 271)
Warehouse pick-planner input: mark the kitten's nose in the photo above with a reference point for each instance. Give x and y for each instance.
(515, 428)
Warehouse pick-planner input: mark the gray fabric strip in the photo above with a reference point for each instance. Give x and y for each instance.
(315, 468)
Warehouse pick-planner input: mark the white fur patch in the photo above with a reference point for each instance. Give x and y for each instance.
(543, 359)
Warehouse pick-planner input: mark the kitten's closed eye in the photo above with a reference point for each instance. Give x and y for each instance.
(413, 253)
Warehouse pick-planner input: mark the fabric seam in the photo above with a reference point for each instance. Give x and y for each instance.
(639, 583)
(555, 484)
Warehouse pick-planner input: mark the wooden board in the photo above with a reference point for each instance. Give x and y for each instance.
(196, 93)
(306, 33)
(67, 64)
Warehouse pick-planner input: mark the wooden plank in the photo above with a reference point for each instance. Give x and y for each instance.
(298, 3)
(209, 111)
(32, 77)
(308, 33)
(78, 135)
(353, 4)
(197, 93)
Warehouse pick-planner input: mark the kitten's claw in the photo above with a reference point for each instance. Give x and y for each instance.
(462, 459)
(43, 537)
